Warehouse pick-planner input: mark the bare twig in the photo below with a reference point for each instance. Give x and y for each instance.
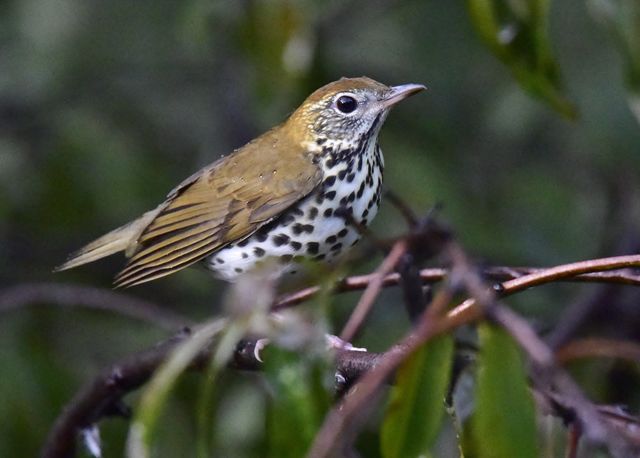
(339, 417)
(470, 310)
(547, 374)
(408, 214)
(564, 272)
(95, 298)
(104, 394)
(372, 290)
(595, 347)
(435, 275)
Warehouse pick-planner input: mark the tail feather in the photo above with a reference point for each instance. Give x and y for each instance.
(120, 239)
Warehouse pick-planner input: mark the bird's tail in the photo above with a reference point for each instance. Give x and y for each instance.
(120, 239)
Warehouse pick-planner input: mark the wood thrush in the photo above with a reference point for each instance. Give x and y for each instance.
(283, 195)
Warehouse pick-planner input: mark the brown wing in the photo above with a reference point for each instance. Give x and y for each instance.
(226, 202)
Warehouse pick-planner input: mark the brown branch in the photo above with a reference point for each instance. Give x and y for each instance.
(372, 290)
(407, 213)
(546, 374)
(596, 347)
(103, 396)
(435, 275)
(341, 416)
(577, 271)
(19, 296)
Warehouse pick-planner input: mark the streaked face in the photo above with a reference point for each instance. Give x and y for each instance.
(349, 109)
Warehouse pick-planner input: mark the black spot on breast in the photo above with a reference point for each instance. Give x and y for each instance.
(343, 232)
(261, 236)
(259, 252)
(320, 257)
(244, 255)
(360, 190)
(313, 247)
(329, 181)
(344, 212)
(331, 239)
(300, 228)
(313, 212)
(336, 247)
(352, 197)
(330, 163)
(238, 270)
(365, 213)
(288, 219)
(220, 260)
(296, 245)
(280, 239)
(320, 141)
(342, 174)
(244, 242)
(351, 177)
(328, 212)
(298, 211)
(330, 195)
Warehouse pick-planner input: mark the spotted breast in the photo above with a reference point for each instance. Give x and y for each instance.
(317, 228)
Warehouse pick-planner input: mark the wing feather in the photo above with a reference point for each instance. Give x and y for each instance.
(227, 201)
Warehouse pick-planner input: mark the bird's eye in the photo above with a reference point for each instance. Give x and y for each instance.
(346, 104)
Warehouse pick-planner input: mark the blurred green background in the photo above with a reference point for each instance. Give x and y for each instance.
(105, 106)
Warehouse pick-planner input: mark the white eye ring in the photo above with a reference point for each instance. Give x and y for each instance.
(345, 104)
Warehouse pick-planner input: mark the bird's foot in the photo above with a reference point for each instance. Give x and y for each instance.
(336, 343)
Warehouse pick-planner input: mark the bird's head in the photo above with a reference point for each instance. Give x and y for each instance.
(348, 109)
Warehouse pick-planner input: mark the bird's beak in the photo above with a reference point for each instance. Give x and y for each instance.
(401, 92)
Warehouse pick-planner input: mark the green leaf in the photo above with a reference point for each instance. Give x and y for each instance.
(416, 405)
(516, 32)
(299, 400)
(155, 395)
(504, 422)
(622, 20)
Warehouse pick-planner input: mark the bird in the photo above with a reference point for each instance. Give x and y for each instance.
(297, 193)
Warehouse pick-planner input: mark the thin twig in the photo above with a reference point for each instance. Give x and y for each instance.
(340, 416)
(545, 373)
(434, 275)
(24, 294)
(103, 395)
(564, 272)
(404, 209)
(597, 347)
(372, 290)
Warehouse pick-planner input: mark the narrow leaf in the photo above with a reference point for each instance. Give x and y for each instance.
(155, 395)
(298, 403)
(504, 421)
(416, 404)
(622, 20)
(517, 33)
